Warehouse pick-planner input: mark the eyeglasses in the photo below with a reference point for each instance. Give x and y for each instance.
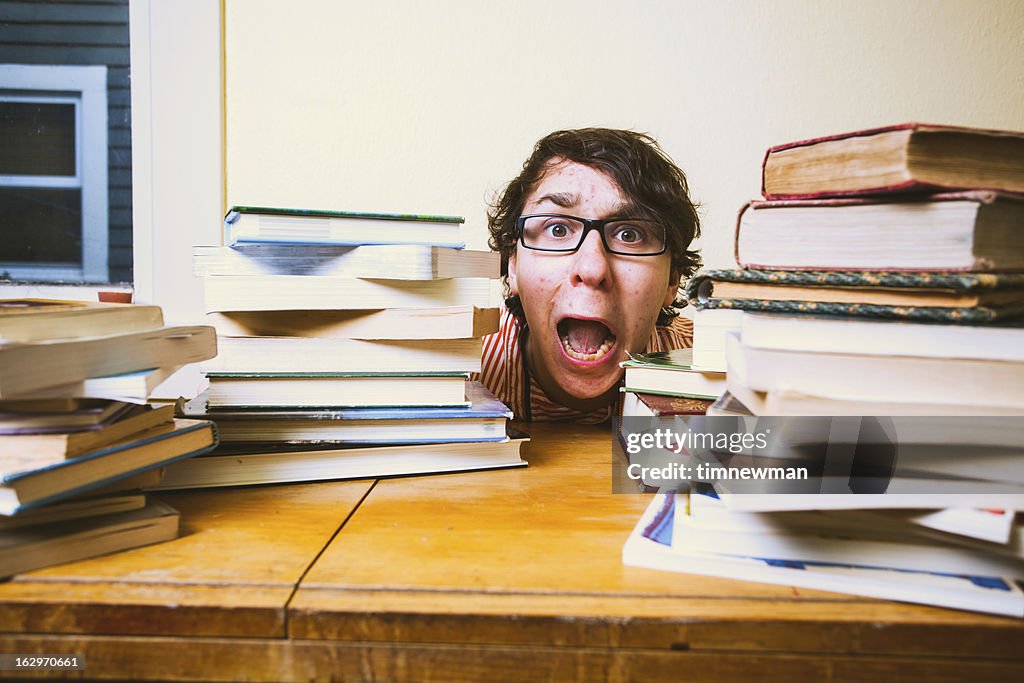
(564, 234)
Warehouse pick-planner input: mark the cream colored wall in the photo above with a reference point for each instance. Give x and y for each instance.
(430, 106)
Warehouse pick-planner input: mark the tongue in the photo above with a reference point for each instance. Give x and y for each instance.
(585, 336)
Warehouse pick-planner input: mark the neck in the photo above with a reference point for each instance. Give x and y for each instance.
(555, 392)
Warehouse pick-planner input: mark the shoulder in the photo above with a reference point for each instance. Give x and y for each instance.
(678, 335)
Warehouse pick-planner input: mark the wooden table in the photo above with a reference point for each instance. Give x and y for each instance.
(503, 575)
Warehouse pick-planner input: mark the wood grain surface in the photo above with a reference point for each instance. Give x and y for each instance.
(232, 571)
(508, 575)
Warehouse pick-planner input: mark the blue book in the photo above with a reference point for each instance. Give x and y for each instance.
(481, 417)
(267, 225)
(24, 485)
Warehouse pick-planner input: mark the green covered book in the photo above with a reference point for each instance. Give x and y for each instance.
(956, 298)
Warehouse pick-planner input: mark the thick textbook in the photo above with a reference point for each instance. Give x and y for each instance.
(862, 377)
(25, 487)
(260, 224)
(38, 416)
(657, 405)
(35, 547)
(75, 508)
(31, 320)
(285, 464)
(955, 298)
(650, 545)
(964, 231)
(670, 373)
(483, 418)
(901, 158)
(835, 334)
(393, 262)
(335, 389)
(28, 368)
(42, 448)
(337, 355)
(303, 293)
(448, 322)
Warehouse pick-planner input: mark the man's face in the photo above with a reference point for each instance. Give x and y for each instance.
(585, 309)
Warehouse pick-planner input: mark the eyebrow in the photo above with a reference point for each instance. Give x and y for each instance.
(567, 200)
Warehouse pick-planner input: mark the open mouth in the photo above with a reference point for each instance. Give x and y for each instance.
(586, 340)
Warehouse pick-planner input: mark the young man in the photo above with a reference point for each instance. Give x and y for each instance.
(595, 234)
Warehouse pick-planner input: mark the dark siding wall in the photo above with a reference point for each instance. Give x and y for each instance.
(82, 32)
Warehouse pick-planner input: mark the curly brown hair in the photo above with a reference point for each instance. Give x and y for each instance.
(647, 177)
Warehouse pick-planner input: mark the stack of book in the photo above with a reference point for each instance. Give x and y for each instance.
(77, 439)
(667, 383)
(881, 276)
(345, 344)
(884, 268)
(961, 558)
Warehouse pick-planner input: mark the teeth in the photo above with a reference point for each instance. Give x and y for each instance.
(605, 347)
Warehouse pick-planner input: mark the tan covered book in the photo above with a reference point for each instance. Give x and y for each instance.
(901, 158)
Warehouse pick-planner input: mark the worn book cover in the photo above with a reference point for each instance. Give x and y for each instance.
(951, 231)
(700, 291)
(906, 157)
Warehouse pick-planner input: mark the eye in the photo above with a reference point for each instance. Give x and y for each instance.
(630, 234)
(557, 228)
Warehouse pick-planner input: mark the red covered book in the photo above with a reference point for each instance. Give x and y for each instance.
(903, 158)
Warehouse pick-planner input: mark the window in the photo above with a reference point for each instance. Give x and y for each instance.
(53, 173)
(65, 142)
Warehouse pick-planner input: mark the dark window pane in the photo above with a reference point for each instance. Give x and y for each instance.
(40, 225)
(37, 139)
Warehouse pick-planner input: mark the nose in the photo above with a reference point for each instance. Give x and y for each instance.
(590, 266)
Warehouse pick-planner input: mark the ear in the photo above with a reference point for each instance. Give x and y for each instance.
(513, 275)
(672, 290)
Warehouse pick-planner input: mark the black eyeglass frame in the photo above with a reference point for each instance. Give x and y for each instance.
(589, 224)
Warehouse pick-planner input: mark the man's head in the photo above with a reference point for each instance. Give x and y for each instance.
(586, 307)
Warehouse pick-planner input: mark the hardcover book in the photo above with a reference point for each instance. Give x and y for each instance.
(656, 405)
(335, 389)
(27, 368)
(311, 354)
(31, 320)
(254, 224)
(953, 298)
(860, 377)
(39, 416)
(42, 448)
(73, 509)
(392, 262)
(285, 464)
(670, 373)
(303, 293)
(35, 547)
(901, 158)
(961, 231)
(23, 487)
(834, 334)
(483, 418)
(451, 322)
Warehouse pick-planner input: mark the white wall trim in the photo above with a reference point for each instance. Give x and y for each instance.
(177, 143)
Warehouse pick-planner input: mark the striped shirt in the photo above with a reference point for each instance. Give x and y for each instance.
(503, 373)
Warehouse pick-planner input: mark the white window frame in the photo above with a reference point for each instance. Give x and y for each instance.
(86, 88)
